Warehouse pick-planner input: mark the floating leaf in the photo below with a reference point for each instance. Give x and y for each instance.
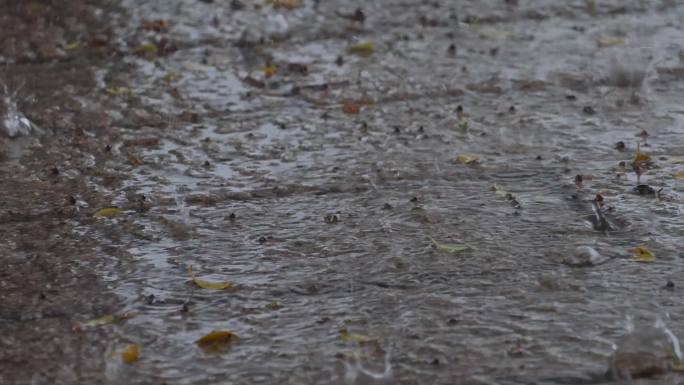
(639, 157)
(365, 48)
(105, 320)
(501, 193)
(467, 159)
(204, 284)
(172, 77)
(640, 254)
(462, 124)
(354, 337)
(73, 45)
(130, 354)
(269, 70)
(149, 48)
(118, 91)
(494, 34)
(448, 247)
(218, 341)
(351, 108)
(679, 175)
(610, 41)
(158, 25)
(108, 212)
(134, 160)
(287, 4)
(275, 305)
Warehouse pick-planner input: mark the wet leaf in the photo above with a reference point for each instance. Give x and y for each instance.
(275, 305)
(463, 124)
(287, 4)
(217, 341)
(108, 212)
(679, 175)
(105, 320)
(134, 160)
(158, 25)
(118, 91)
(350, 108)
(610, 41)
(365, 48)
(204, 284)
(269, 70)
(130, 354)
(467, 159)
(641, 254)
(447, 247)
(639, 157)
(73, 45)
(172, 77)
(354, 337)
(144, 49)
(494, 34)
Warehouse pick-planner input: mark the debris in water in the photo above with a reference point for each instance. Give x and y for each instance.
(467, 159)
(447, 247)
(354, 337)
(585, 256)
(108, 212)
(365, 48)
(641, 254)
(204, 284)
(217, 341)
(130, 354)
(640, 158)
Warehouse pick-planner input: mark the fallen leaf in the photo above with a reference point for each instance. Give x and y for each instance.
(639, 157)
(269, 70)
(365, 48)
(105, 320)
(108, 212)
(354, 337)
(158, 25)
(144, 49)
(640, 254)
(467, 159)
(130, 354)
(118, 91)
(494, 34)
(204, 284)
(134, 160)
(217, 341)
(275, 305)
(679, 175)
(501, 193)
(351, 108)
(73, 45)
(610, 41)
(463, 124)
(287, 4)
(172, 77)
(448, 247)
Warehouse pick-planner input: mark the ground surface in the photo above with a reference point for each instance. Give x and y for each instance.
(250, 142)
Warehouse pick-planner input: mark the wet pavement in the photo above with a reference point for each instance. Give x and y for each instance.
(320, 156)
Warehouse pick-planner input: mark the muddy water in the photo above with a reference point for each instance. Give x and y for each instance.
(323, 219)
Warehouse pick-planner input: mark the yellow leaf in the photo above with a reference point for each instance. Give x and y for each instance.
(679, 175)
(275, 305)
(269, 70)
(134, 160)
(640, 254)
(172, 77)
(130, 354)
(467, 159)
(288, 4)
(218, 341)
(447, 247)
(118, 91)
(494, 34)
(73, 45)
(146, 49)
(204, 284)
(610, 41)
(639, 157)
(354, 337)
(108, 212)
(105, 320)
(365, 48)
